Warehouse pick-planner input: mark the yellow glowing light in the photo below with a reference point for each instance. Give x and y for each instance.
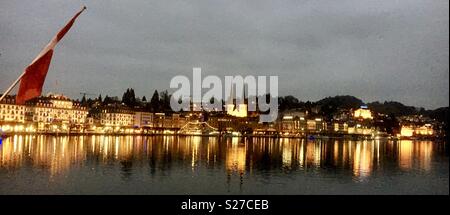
(240, 111)
(424, 130)
(363, 113)
(235, 158)
(405, 154)
(407, 131)
(234, 133)
(6, 128)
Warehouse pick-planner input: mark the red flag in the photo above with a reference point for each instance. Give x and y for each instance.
(34, 76)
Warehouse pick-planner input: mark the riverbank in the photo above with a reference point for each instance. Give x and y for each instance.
(234, 134)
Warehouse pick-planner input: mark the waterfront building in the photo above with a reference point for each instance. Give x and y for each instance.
(315, 125)
(416, 130)
(407, 131)
(288, 124)
(298, 121)
(115, 116)
(143, 119)
(363, 113)
(361, 130)
(178, 120)
(239, 110)
(232, 107)
(10, 112)
(341, 127)
(293, 121)
(425, 130)
(12, 116)
(293, 124)
(418, 125)
(55, 112)
(159, 120)
(171, 121)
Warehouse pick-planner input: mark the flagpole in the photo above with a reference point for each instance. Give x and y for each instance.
(12, 86)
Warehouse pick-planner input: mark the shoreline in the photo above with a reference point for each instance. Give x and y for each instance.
(297, 136)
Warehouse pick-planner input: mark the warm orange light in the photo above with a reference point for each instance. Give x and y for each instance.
(363, 113)
(407, 131)
(240, 111)
(235, 159)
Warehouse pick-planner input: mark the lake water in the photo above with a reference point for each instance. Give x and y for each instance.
(209, 165)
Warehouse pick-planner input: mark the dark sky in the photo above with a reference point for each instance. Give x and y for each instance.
(374, 50)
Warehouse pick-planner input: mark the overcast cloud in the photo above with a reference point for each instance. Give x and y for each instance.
(374, 50)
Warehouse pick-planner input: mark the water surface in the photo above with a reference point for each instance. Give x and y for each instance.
(208, 165)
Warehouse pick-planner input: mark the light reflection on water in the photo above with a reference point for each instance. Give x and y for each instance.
(250, 159)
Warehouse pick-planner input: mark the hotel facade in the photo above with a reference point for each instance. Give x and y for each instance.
(10, 112)
(53, 112)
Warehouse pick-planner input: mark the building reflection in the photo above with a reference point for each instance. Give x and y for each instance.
(233, 156)
(414, 155)
(363, 159)
(236, 155)
(405, 154)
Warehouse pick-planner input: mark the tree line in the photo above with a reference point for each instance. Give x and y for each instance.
(159, 102)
